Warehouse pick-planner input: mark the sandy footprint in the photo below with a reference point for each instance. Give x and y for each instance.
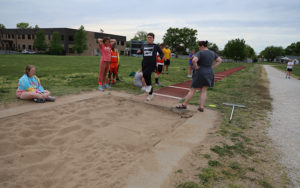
(68, 130)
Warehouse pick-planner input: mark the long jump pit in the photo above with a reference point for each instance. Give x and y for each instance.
(96, 140)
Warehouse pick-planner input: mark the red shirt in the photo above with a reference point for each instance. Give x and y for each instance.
(105, 52)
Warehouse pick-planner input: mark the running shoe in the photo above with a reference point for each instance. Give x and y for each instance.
(148, 88)
(50, 98)
(143, 88)
(149, 98)
(107, 86)
(100, 88)
(39, 100)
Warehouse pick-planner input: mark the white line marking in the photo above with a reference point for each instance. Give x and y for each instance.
(169, 96)
(179, 87)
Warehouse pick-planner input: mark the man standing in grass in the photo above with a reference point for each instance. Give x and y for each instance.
(149, 52)
(167, 55)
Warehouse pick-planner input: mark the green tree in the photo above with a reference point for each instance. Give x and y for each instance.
(140, 35)
(213, 47)
(180, 39)
(2, 26)
(40, 41)
(55, 44)
(80, 41)
(271, 52)
(23, 25)
(236, 49)
(293, 49)
(250, 52)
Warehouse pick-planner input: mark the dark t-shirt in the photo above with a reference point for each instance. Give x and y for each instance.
(149, 52)
(206, 58)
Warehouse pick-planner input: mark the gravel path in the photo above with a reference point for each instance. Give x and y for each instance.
(285, 120)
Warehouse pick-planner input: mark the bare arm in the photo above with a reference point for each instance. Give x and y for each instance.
(113, 41)
(195, 60)
(100, 41)
(218, 61)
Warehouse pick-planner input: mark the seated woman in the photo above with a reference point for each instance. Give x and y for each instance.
(139, 80)
(30, 87)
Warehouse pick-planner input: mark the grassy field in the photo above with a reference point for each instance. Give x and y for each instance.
(71, 74)
(241, 149)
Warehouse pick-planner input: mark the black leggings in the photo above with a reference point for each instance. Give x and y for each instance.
(147, 72)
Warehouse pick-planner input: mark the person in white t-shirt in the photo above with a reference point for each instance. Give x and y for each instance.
(289, 68)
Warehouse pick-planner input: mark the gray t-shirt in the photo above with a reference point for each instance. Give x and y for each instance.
(206, 58)
(138, 79)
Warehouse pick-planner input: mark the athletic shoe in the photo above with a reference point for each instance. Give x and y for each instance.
(167, 72)
(143, 88)
(100, 88)
(39, 100)
(149, 98)
(148, 88)
(51, 99)
(189, 76)
(157, 84)
(107, 86)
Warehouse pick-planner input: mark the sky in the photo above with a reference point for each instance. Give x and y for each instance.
(260, 23)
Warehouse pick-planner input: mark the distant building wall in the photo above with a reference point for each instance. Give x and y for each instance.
(21, 39)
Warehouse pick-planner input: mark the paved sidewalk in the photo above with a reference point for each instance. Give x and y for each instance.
(285, 118)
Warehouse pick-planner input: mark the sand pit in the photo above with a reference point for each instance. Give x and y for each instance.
(89, 143)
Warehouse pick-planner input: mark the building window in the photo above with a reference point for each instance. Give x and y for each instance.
(8, 36)
(24, 46)
(19, 47)
(122, 43)
(71, 38)
(19, 36)
(118, 43)
(29, 47)
(23, 36)
(70, 50)
(13, 36)
(29, 36)
(49, 37)
(62, 37)
(33, 36)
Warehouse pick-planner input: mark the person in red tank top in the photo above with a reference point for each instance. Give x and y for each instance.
(159, 66)
(114, 65)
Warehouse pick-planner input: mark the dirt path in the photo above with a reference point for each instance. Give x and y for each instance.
(285, 120)
(96, 139)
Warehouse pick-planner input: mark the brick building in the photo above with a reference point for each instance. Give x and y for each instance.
(21, 39)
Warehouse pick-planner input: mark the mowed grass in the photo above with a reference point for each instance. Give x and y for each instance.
(72, 74)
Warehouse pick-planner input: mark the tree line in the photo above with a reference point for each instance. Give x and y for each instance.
(183, 40)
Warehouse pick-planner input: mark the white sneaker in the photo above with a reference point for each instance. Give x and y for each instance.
(148, 88)
(143, 88)
(149, 98)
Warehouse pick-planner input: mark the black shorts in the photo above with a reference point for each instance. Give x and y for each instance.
(290, 70)
(159, 69)
(167, 62)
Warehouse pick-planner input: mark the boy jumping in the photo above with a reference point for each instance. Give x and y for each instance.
(149, 51)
